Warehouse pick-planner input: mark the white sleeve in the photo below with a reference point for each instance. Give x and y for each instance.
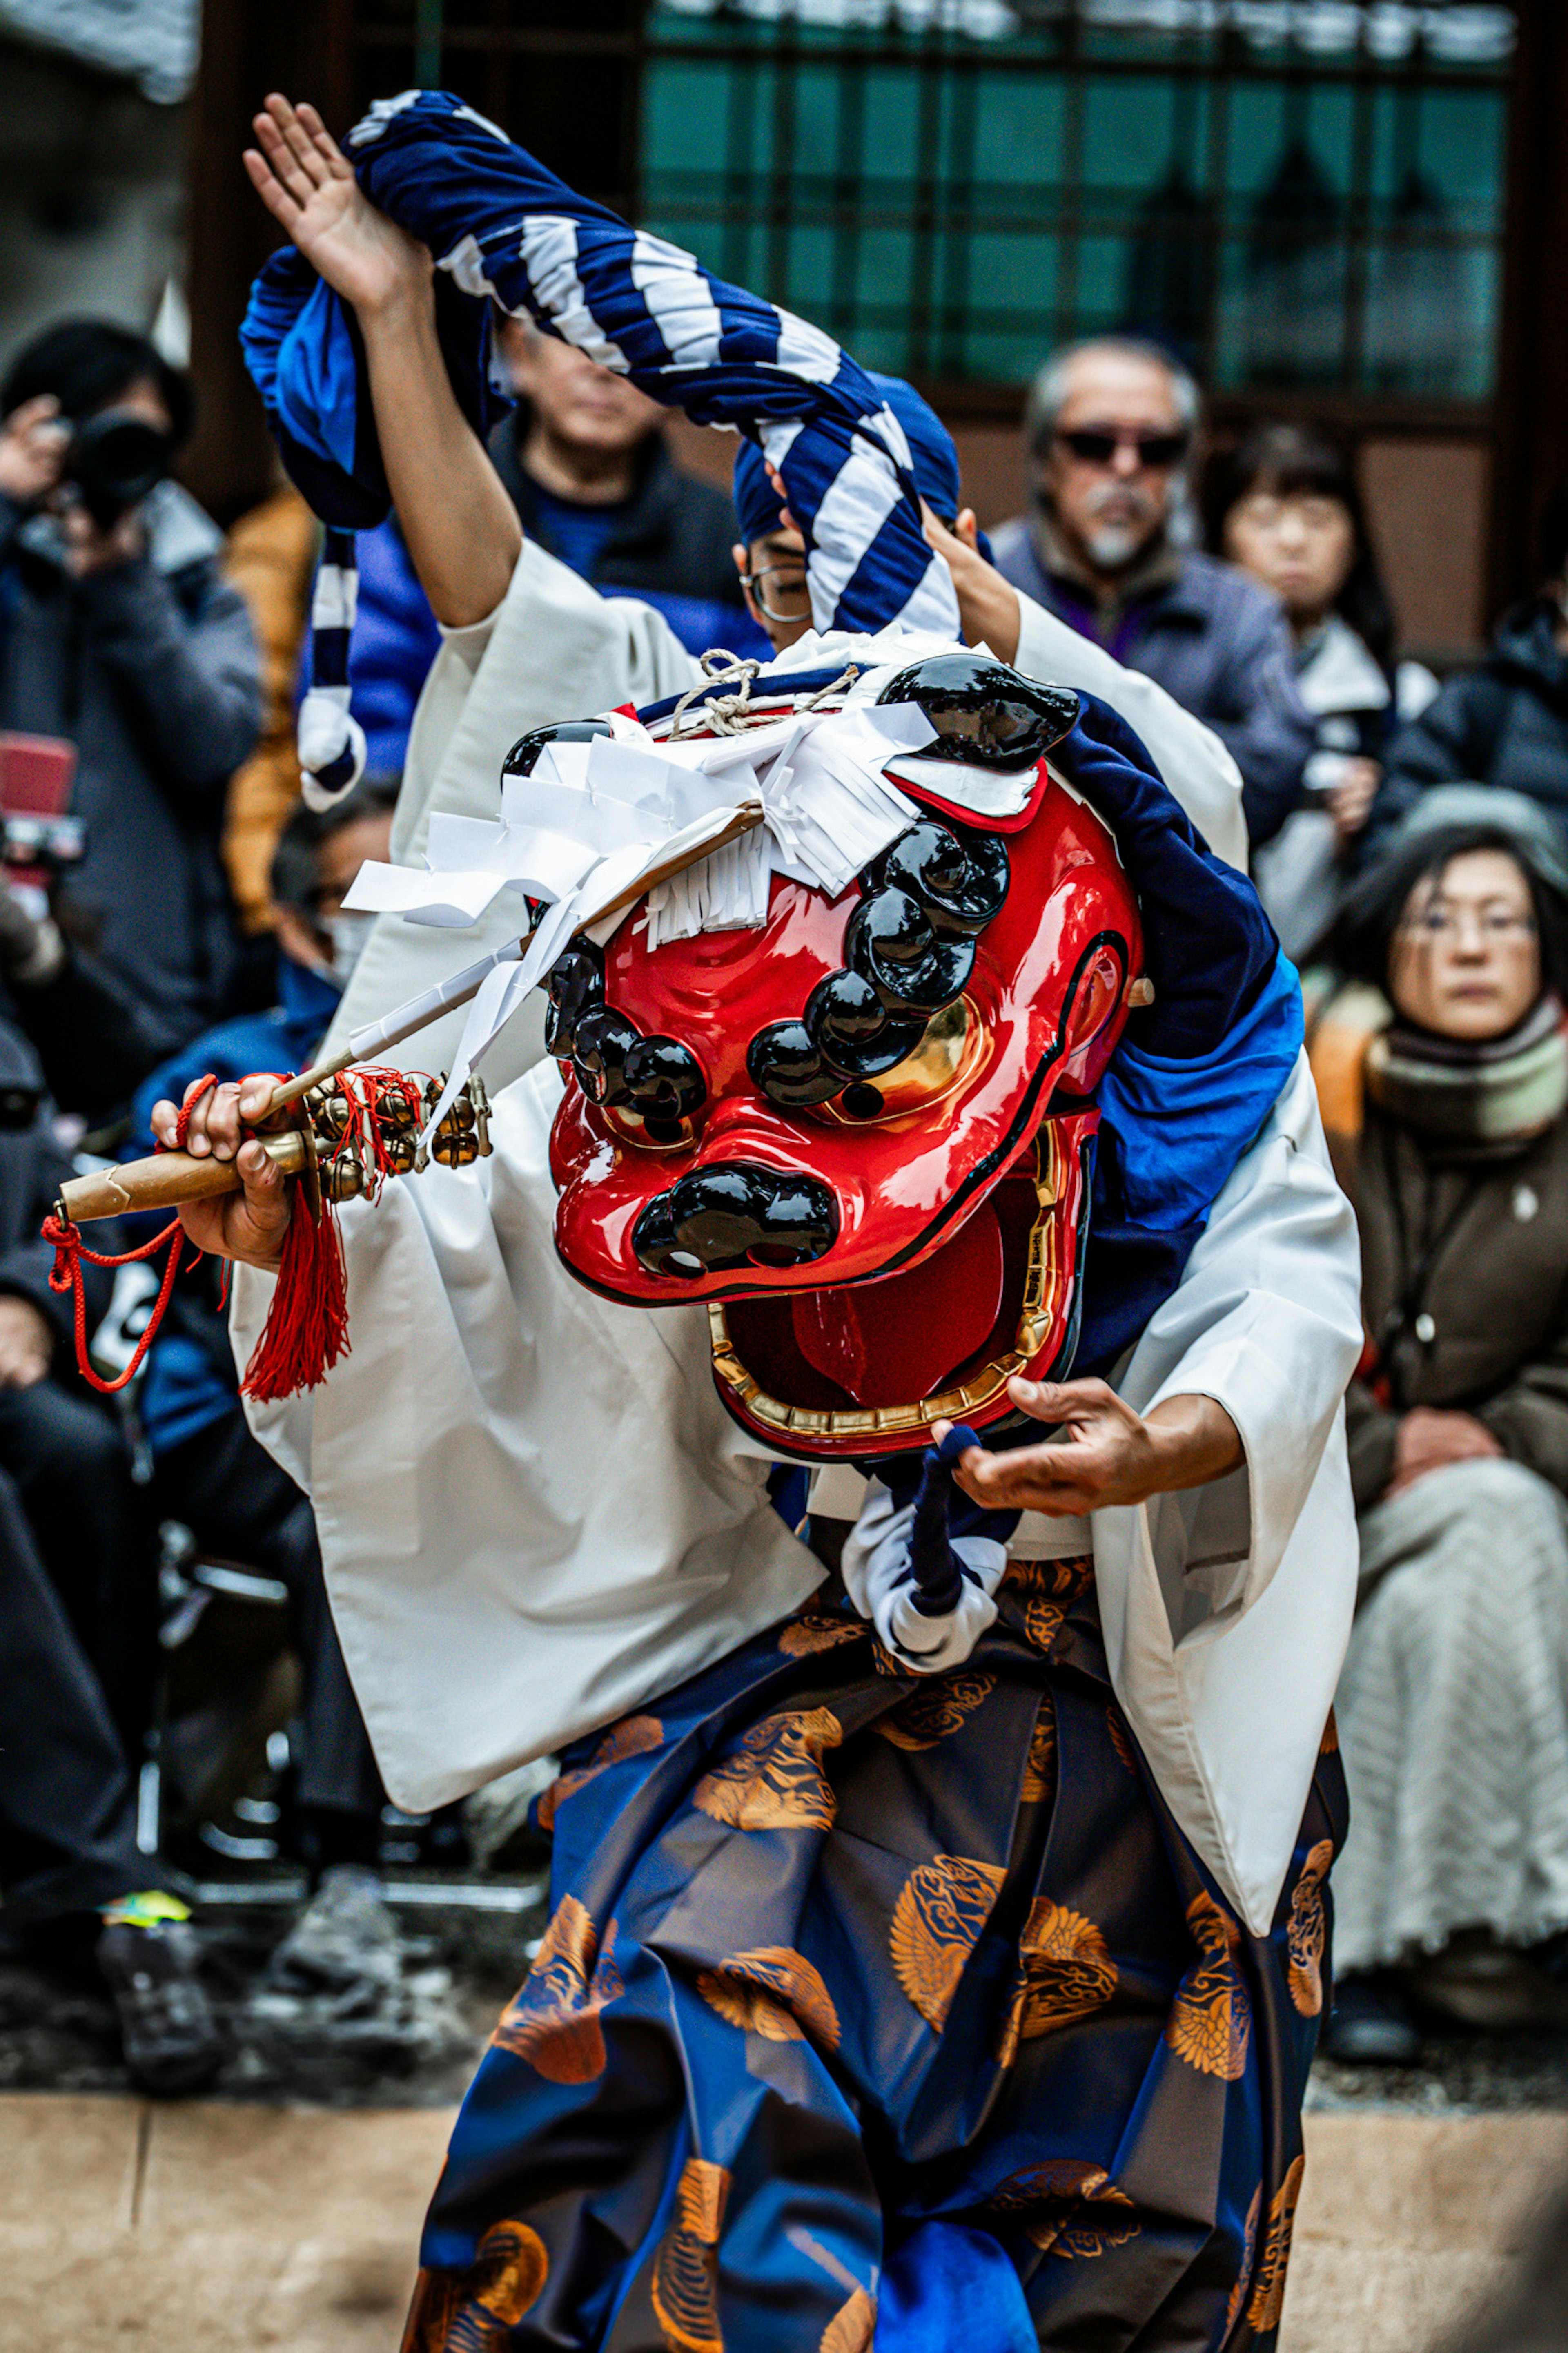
(535, 1515)
(555, 648)
(1227, 1609)
(1190, 757)
(1266, 1321)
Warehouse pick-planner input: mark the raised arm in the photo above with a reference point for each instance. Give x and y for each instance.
(461, 528)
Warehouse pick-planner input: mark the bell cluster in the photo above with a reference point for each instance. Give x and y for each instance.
(348, 1164)
(909, 951)
(656, 1078)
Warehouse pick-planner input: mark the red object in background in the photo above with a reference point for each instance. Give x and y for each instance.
(36, 773)
(38, 835)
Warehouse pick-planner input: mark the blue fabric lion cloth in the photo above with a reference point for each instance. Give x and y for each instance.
(506, 234)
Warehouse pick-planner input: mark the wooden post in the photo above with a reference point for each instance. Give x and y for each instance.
(1529, 446)
(248, 48)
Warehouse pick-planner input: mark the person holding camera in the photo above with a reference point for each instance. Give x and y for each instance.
(119, 635)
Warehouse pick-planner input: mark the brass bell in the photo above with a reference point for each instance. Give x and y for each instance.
(347, 1174)
(330, 1114)
(401, 1147)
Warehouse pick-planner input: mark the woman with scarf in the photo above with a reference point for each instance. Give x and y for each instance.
(1443, 1075)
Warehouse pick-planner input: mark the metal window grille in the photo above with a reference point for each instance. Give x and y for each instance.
(1294, 193)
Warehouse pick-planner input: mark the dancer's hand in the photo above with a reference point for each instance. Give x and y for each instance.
(249, 1225)
(987, 605)
(308, 184)
(1106, 1454)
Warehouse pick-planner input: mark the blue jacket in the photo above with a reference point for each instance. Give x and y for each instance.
(1218, 644)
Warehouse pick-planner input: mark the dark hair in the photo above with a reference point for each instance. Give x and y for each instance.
(1295, 462)
(87, 364)
(1372, 911)
(293, 875)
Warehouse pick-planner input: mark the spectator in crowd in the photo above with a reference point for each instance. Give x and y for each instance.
(63, 1448)
(94, 1033)
(1443, 1075)
(1108, 428)
(1504, 722)
(70, 1865)
(271, 555)
(271, 558)
(1287, 508)
(210, 1472)
(584, 458)
(119, 633)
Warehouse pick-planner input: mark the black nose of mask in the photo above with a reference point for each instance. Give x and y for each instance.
(724, 1219)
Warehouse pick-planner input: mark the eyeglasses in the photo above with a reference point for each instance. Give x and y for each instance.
(1493, 923)
(1098, 446)
(790, 590)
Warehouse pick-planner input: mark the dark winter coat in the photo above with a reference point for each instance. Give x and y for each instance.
(671, 546)
(150, 669)
(1481, 1250)
(1504, 722)
(1218, 644)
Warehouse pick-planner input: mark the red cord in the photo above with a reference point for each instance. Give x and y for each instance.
(191, 1097)
(66, 1275)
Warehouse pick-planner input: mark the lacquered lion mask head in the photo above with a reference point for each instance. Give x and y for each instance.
(861, 1132)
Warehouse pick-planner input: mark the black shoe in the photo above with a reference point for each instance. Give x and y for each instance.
(172, 2042)
(1373, 2024)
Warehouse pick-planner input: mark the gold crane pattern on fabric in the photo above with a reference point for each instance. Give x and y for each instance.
(937, 1711)
(1064, 1972)
(1308, 1932)
(1121, 1740)
(554, 2022)
(1068, 2206)
(1040, 1766)
(774, 1780)
(775, 1992)
(811, 1630)
(852, 2328)
(941, 1910)
(475, 2311)
(1244, 2276)
(635, 1735)
(1044, 1590)
(1267, 2305)
(1211, 2019)
(685, 2279)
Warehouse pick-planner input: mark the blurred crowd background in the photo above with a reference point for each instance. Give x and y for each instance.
(1246, 318)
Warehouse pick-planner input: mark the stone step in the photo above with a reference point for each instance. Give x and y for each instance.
(232, 2227)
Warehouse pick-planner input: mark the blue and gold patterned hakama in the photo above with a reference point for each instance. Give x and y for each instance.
(876, 2007)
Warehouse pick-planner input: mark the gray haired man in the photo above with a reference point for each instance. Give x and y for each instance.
(1109, 427)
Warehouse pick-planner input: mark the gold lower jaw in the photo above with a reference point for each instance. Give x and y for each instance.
(1042, 1288)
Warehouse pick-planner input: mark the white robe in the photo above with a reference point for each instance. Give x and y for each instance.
(555, 648)
(535, 1514)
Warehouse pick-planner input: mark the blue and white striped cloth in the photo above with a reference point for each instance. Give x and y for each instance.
(508, 234)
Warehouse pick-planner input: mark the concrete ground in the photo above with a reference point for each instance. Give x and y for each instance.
(234, 2227)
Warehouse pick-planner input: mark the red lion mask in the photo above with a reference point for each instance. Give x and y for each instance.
(859, 1134)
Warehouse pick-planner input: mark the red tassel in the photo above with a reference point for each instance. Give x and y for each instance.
(307, 1328)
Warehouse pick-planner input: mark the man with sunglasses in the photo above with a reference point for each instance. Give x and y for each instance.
(1108, 428)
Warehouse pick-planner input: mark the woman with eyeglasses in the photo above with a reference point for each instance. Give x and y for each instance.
(1286, 507)
(1443, 1075)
